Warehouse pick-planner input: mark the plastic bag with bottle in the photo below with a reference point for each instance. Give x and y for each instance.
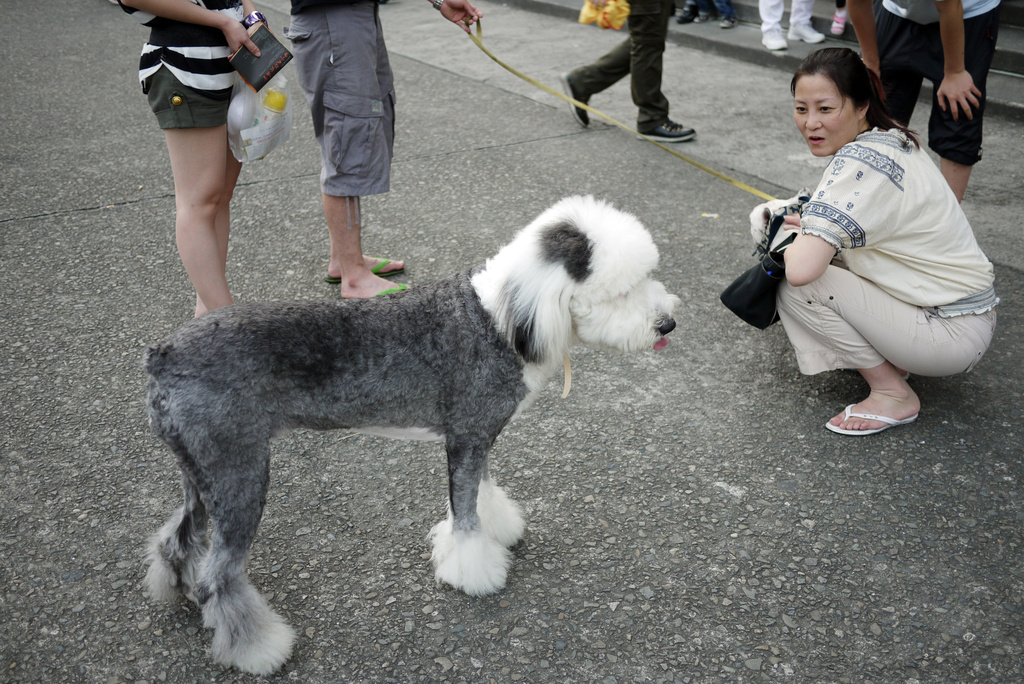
(259, 123)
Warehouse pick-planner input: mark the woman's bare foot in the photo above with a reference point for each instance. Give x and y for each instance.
(890, 396)
(201, 308)
(878, 405)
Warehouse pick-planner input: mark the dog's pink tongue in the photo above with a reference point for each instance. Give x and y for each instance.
(661, 344)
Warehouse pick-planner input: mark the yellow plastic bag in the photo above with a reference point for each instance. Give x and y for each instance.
(612, 15)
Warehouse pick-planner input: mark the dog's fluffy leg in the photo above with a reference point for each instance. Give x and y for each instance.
(176, 551)
(248, 634)
(162, 582)
(464, 554)
(501, 518)
(172, 571)
(468, 560)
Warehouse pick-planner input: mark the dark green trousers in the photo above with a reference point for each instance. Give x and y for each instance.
(640, 57)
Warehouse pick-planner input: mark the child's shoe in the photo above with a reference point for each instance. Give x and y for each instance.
(838, 23)
(702, 19)
(728, 22)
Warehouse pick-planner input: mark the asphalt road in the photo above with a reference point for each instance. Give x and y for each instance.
(689, 517)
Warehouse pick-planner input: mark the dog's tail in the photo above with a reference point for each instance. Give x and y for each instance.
(154, 358)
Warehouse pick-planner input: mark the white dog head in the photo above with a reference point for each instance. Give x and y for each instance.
(581, 271)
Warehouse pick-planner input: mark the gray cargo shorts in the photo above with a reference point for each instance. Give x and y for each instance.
(343, 68)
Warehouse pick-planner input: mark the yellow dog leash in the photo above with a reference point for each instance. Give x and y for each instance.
(478, 39)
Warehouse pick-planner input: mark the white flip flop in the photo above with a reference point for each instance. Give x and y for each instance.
(889, 422)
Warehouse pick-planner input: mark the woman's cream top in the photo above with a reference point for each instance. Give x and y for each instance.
(887, 210)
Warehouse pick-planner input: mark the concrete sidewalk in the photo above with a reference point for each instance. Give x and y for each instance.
(690, 519)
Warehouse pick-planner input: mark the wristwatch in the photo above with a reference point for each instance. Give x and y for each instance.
(437, 4)
(254, 18)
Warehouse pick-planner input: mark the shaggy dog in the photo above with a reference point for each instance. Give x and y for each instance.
(452, 362)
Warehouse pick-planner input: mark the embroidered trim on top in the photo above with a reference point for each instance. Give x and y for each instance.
(884, 165)
(840, 220)
(895, 139)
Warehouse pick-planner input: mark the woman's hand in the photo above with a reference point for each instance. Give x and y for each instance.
(237, 36)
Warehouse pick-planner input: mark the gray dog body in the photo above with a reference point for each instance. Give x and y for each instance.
(430, 359)
(452, 361)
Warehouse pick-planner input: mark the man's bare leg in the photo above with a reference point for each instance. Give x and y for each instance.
(344, 224)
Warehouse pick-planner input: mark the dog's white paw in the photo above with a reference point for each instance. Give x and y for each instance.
(261, 657)
(162, 581)
(501, 518)
(248, 634)
(469, 561)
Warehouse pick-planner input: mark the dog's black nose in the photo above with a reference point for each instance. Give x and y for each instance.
(668, 326)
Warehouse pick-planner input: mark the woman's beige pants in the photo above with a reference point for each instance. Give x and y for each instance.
(844, 321)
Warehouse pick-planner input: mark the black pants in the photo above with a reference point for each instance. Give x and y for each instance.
(640, 57)
(910, 52)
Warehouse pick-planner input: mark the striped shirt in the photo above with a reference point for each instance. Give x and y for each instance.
(196, 55)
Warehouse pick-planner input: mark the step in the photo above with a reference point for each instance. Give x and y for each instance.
(1009, 55)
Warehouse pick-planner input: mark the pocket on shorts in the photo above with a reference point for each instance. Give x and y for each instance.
(296, 34)
(304, 54)
(358, 139)
(169, 100)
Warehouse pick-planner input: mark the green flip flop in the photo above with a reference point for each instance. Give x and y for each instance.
(378, 270)
(400, 287)
(382, 263)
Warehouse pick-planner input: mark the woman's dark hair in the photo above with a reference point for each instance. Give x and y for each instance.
(855, 82)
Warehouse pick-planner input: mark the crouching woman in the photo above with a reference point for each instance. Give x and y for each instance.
(885, 274)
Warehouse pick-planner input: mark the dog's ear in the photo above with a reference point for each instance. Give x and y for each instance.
(524, 339)
(563, 243)
(517, 312)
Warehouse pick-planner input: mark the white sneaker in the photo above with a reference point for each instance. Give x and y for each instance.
(806, 33)
(773, 40)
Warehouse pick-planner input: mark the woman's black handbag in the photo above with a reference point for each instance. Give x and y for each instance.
(752, 295)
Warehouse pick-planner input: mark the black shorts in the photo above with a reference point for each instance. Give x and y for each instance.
(178, 106)
(910, 52)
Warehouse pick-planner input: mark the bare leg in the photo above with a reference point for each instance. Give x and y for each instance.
(344, 224)
(957, 176)
(204, 180)
(222, 222)
(890, 396)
